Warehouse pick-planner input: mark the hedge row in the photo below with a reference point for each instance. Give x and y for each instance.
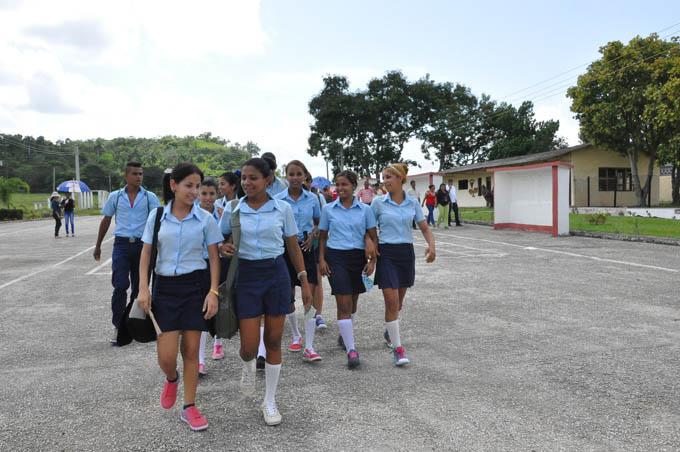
(11, 214)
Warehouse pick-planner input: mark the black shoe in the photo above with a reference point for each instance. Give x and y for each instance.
(259, 364)
(458, 224)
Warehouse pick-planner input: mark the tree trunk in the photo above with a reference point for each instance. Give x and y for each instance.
(635, 176)
(675, 184)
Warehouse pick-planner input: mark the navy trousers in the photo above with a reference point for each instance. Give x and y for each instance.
(125, 274)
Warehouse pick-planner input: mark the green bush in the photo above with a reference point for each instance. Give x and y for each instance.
(597, 218)
(11, 214)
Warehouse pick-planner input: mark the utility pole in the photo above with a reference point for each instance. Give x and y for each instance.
(54, 178)
(77, 163)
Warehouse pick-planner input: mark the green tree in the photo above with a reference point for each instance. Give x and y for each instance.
(10, 186)
(622, 105)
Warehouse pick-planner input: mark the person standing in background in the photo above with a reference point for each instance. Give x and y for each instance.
(413, 193)
(431, 202)
(453, 200)
(69, 205)
(56, 213)
(366, 194)
(443, 203)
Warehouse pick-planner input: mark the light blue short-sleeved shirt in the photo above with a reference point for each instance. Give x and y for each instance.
(395, 220)
(277, 187)
(305, 210)
(262, 230)
(181, 243)
(216, 215)
(130, 220)
(347, 227)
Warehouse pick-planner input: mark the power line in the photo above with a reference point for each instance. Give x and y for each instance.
(36, 147)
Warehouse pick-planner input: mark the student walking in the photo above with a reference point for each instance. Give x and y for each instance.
(307, 211)
(346, 226)
(443, 202)
(451, 189)
(56, 213)
(131, 206)
(317, 294)
(207, 194)
(184, 294)
(69, 205)
(430, 202)
(276, 185)
(229, 185)
(263, 283)
(395, 271)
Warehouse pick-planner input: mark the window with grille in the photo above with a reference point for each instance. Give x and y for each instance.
(615, 179)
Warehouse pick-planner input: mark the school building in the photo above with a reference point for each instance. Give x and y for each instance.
(599, 178)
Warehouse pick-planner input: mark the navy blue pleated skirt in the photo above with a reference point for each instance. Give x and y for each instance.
(177, 301)
(310, 266)
(396, 267)
(262, 287)
(346, 267)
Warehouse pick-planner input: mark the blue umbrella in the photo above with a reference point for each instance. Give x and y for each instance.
(320, 182)
(73, 186)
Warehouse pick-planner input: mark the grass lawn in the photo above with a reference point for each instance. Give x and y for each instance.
(26, 201)
(658, 227)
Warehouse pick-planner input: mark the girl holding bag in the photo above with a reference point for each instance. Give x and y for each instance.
(184, 294)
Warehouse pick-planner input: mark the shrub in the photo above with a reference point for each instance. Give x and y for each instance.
(597, 218)
(11, 214)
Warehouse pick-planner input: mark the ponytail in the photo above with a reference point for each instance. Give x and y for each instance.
(168, 194)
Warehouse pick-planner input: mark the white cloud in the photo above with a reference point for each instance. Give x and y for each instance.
(558, 108)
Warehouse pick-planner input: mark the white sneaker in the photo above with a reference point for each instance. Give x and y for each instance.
(271, 414)
(114, 337)
(247, 381)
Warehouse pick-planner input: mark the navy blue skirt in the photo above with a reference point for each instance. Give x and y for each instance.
(396, 267)
(262, 287)
(346, 268)
(310, 266)
(177, 301)
(224, 267)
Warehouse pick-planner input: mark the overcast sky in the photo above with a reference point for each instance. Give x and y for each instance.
(245, 70)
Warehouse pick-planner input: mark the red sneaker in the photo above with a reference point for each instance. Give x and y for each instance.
(295, 344)
(218, 353)
(169, 394)
(310, 356)
(194, 418)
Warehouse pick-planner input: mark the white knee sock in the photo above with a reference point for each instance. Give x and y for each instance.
(393, 331)
(310, 328)
(218, 341)
(292, 321)
(261, 350)
(201, 348)
(347, 333)
(271, 376)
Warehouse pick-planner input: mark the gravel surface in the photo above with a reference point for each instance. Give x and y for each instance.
(517, 341)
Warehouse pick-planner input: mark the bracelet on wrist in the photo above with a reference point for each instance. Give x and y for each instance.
(302, 273)
(215, 292)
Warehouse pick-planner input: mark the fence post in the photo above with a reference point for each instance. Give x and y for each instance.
(649, 193)
(614, 196)
(588, 191)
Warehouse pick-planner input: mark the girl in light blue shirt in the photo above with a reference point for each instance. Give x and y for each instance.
(395, 272)
(229, 186)
(307, 212)
(184, 295)
(347, 226)
(263, 284)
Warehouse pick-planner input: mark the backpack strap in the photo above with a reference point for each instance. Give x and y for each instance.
(154, 243)
(236, 240)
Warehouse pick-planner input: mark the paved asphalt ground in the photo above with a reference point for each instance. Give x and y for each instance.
(518, 341)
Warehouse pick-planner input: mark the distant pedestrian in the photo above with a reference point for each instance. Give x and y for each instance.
(413, 193)
(395, 271)
(184, 293)
(56, 213)
(430, 201)
(453, 200)
(69, 205)
(366, 194)
(443, 203)
(347, 226)
(317, 294)
(277, 185)
(130, 206)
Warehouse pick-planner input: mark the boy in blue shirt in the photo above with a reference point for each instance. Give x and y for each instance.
(131, 206)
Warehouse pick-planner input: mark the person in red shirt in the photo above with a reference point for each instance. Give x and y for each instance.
(430, 201)
(366, 194)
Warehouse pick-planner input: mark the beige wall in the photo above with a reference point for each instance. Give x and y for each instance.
(587, 163)
(665, 188)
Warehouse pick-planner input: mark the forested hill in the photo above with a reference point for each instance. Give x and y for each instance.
(33, 159)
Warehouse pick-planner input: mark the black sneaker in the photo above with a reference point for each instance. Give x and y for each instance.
(353, 359)
(259, 364)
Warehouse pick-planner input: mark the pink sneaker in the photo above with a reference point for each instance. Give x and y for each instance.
(218, 353)
(169, 394)
(295, 345)
(201, 370)
(194, 418)
(310, 356)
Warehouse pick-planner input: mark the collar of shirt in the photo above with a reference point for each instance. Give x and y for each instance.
(270, 205)
(388, 198)
(142, 192)
(167, 213)
(286, 195)
(336, 203)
